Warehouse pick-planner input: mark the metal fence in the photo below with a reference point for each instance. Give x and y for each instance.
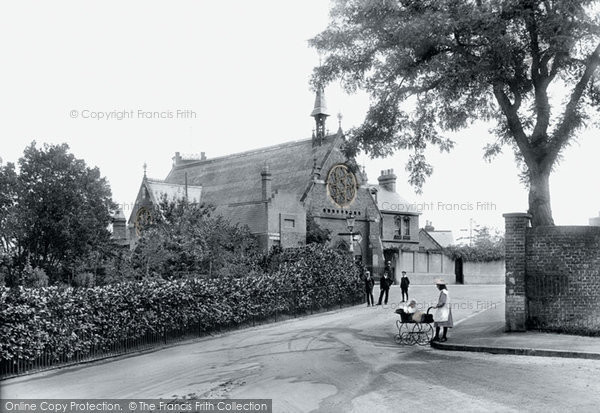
(293, 303)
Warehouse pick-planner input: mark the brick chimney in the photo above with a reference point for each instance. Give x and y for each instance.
(266, 182)
(428, 226)
(387, 180)
(177, 159)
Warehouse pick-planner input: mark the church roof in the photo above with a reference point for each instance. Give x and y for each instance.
(173, 191)
(236, 178)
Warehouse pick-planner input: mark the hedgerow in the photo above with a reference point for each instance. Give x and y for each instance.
(59, 322)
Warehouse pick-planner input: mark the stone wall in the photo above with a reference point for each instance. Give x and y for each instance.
(552, 277)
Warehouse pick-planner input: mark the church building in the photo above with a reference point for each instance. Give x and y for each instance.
(272, 190)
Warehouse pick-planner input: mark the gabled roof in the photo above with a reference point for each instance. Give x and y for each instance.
(442, 238)
(237, 178)
(173, 191)
(388, 201)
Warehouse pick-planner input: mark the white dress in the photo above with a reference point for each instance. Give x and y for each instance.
(443, 314)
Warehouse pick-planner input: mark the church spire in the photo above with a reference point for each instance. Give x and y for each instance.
(320, 114)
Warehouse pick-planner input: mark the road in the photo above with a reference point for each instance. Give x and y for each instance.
(341, 361)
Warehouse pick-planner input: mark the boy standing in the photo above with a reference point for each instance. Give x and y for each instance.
(404, 283)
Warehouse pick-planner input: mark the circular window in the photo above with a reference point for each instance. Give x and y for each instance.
(142, 218)
(341, 185)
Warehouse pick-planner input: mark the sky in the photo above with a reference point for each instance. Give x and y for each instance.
(234, 75)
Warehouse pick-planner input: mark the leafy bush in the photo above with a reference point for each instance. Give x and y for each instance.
(34, 277)
(183, 238)
(62, 321)
(85, 280)
(469, 253)
(487, 245)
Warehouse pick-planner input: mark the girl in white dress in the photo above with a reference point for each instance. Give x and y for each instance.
(443, 312)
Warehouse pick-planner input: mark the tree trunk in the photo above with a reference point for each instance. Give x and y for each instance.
(539, 199)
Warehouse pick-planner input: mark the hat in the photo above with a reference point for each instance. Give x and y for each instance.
(403, 272)
(440, 281)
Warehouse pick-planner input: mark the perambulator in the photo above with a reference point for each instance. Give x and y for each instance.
(414, 331)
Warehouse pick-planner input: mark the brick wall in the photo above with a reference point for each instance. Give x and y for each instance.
(552, 277)
(516, 301)
(563, 279)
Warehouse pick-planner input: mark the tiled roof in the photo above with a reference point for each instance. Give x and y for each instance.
(444, 238)
(172, 190)
(237, 178)
(388, 201)
(252, 214)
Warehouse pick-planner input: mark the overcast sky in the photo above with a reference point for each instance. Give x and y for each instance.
(243, 67)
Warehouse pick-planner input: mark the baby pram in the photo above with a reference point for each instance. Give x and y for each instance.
(414, 331)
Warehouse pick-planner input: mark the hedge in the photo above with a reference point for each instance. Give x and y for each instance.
(54, 321)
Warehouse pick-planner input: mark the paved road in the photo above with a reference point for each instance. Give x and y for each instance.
(343, 361)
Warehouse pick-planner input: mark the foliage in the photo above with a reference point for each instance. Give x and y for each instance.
(507, 61)
(116, 268)
(184, 238)
(33, 277)
(84, 280)
(54, 211)
(55, 321)
(487, 245)
(315, 234)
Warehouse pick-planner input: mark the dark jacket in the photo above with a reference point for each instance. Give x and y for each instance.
(404, 283)
(369, 284)
(385, 283)
(388, 270)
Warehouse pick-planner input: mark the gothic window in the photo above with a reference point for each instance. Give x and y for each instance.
(341, 185)
(142, 218)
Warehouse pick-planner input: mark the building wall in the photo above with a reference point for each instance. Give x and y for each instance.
(286, 221)
(424, 267)
(330, 216)
(490, 272)
(390, 228)
(552, 277)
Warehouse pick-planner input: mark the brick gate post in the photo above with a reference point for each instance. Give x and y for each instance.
(516, 298)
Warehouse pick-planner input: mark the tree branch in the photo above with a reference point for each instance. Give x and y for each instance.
(514, 123)
(565, 128)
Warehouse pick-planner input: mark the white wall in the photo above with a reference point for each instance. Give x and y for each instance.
(491, 272)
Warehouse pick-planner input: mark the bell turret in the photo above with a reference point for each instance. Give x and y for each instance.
(320, 114)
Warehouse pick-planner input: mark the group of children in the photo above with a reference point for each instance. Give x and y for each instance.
(443, 314)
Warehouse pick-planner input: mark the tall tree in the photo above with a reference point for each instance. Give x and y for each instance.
(55, 210)
(456, 61)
